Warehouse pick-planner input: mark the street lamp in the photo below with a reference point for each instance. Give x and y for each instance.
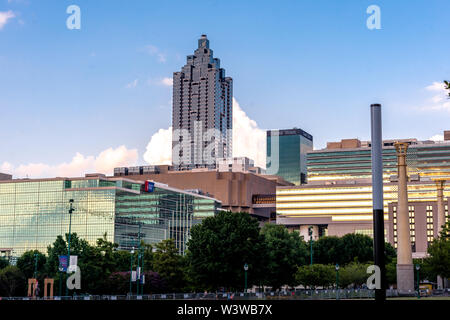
(131, 267)
(310, 233)
(336, 267)
(35, 265)
(245, 275)
(71, 209)
(418, 281)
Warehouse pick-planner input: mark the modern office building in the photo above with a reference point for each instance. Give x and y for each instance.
(237, 191)
(34, 212)
(286, 154)
(202, 117)
(350, 159)
(338, 197)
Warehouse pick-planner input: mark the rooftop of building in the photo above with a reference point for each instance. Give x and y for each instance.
(103, 177)
(356, 144)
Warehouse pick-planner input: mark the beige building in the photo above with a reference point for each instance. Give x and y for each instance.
(238, 191)
(338, 197)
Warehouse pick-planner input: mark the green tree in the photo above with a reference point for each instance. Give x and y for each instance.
(220, 246)
(12, 282)
(3, 263)
(27, 261)
(357, 247)
(447, 86)
(349, 248)
(353, 274)
(168, 263)
(328, 250)
(89, 260)
(391, 272)
(438, 262)
(316, 275)
(285, 253)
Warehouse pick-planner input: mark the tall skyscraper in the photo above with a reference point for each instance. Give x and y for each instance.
(286, 154)
(202, 117)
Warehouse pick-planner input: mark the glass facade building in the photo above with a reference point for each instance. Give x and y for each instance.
(202, 117)
(425, 158)
(293, 146)
(34, 212)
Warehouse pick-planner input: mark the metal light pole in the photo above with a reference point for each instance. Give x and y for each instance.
(131, 269)
(377, 191)
(35, 265)
(310, 232)
(336, 267)
(138, 269)
(418, 281)
(245, 275)
(71, 209)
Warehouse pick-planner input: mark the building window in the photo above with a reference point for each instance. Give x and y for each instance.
(430, 226)
(412, 227)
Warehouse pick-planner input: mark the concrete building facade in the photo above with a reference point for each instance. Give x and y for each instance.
(237, 191)
(338, 196)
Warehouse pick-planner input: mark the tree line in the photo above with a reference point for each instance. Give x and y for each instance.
(218, 249)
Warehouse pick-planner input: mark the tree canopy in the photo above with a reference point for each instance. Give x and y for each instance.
(220, 246)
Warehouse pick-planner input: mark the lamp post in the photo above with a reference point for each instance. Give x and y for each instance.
(336, 267)
(35, 265)
(418, 281)
(245, 276)
(310, 233)
(131, 268)
(71, 209)
(138, 268)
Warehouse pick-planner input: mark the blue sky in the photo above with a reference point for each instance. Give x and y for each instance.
(309, 64)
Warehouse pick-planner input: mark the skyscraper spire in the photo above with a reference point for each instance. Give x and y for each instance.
(202, 111)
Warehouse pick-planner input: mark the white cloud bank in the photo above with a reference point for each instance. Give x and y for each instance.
(4, 17)
(437, 137)
(248, 141)
(104, 162)
(439, 101)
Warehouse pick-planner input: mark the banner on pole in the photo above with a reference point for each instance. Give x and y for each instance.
(63, 263)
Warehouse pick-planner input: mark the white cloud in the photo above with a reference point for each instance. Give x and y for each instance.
(167, 82)
(132, 84)
(439, 101)
(159, 149)
(437, 137)
(248, 141)
(104, 162)
(4, 17)
(155, 51)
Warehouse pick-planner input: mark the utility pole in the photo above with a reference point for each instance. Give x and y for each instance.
(138, 269)
(71, 209)
(377, 196)
(310, 232)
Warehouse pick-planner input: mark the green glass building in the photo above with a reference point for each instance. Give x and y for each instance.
(34, 212)
(290, 160)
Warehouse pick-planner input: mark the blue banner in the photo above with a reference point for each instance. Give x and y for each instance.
(63, 263)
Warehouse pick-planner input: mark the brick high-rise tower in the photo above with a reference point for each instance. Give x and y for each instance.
(202, 117)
